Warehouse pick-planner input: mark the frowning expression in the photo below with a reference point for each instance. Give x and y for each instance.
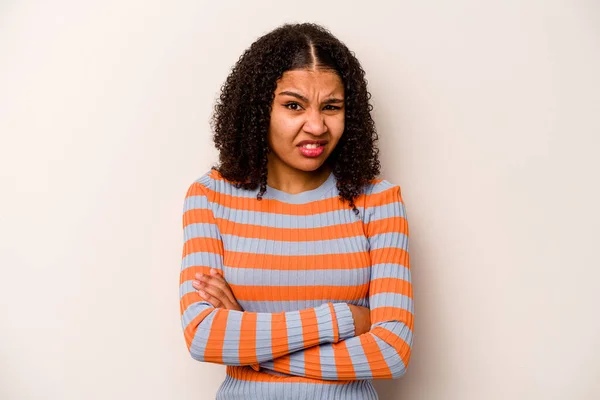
(308, 107)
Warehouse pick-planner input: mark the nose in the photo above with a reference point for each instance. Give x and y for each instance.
(315, 123)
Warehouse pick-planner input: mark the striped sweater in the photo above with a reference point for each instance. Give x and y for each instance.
(294, 262)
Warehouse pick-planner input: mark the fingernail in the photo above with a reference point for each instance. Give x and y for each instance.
(202, 293)
(195, 283)
(214, 271)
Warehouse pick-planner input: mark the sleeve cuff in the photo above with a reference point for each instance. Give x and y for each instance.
(345, 321)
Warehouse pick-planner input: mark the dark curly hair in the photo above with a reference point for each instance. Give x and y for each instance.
(242, 113)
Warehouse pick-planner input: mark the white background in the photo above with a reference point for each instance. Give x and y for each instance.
(488, 116)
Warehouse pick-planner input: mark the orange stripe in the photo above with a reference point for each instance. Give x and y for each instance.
(197, 216)
(302, 262)
(342, 230)
(343, 362)
(382, 314)
(395, 341)
(190, 329)
(187, 299)
(377, 364)
(203, 244)
(282, 364)
(387, 225)
(279, 342)
(196, 189)
(189, 273)
(244, 373)
(390, 285)
(214, 345)
(391, 255)
(310, 327)
(247, 348)
(290, 293)
(312, 363)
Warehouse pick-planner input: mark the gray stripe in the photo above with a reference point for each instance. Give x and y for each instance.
(201, 230)
(327, 358)
(294, 305)
(232, 338)
(202, 258)
(297, 363)
(294, 331)
(192, 311)
(391, 300)
(389, 270)
(360, 363)
(194, 202)
(325, 324)
(389, 210)
(185, 288)
(201, 338)
(274, 277)
(263, 336)
(390, 239)
(233, 389)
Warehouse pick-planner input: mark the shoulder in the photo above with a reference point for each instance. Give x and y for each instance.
(383, 199)
(218, 188)
(203, 184)
(378, 188)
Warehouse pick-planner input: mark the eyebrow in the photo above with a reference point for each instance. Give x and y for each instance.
(331, 100)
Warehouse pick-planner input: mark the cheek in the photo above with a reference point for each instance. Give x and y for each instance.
(336, 125)
(284, 125)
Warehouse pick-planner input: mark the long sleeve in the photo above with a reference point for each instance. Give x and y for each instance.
(239, 337)
(384, 351)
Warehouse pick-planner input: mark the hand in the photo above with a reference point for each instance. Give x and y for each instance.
(362, 319)
(215, 290)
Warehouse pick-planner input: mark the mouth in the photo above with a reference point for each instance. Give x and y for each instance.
(311, 145)
(312, 150)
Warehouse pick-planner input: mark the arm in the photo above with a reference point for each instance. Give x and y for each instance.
(237, 337)
(384, 351)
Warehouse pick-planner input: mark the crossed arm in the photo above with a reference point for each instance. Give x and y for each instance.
(325, 342)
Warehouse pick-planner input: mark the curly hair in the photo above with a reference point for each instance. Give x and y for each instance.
(242, 113)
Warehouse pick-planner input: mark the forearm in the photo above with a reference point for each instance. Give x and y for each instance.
(242, 338)
(382, 353)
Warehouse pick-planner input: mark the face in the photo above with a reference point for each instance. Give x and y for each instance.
(308, 105)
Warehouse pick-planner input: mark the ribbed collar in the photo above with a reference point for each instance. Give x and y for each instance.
(302, 197)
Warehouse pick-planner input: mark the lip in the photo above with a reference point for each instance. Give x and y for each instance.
(319, 142)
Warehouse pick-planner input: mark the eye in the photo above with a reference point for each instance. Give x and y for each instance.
(292, 106)
(332, 107)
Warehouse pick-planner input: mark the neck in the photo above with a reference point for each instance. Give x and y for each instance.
(295, 181)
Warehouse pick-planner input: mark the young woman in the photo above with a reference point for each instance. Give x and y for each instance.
(296, 271)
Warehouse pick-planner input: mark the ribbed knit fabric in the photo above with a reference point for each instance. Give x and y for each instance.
(294, 262)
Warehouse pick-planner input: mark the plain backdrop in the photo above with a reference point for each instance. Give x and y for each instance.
(488, 118)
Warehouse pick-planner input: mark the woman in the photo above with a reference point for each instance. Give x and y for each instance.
(295, 270)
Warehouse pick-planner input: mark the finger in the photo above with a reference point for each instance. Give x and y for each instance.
(207, 294)
(215, 302)
(219, 282)
(217, 275)
(217, 293)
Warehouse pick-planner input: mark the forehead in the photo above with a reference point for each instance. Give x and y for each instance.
(310, 80)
